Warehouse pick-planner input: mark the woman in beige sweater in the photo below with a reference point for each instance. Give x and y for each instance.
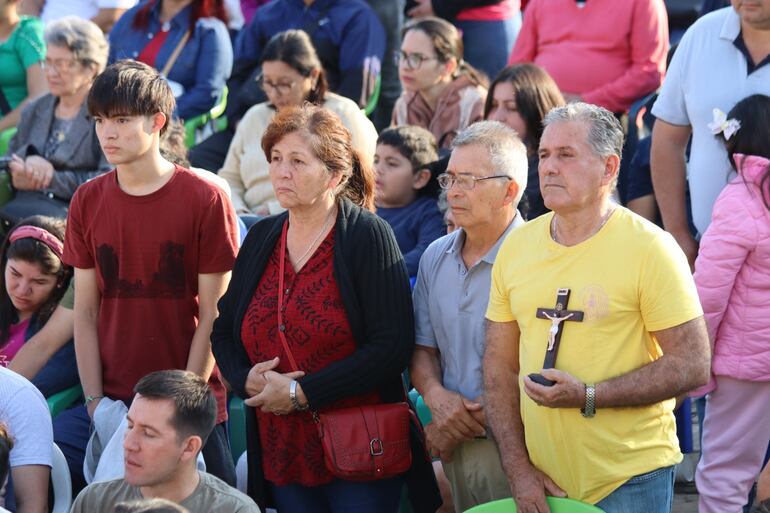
(291, 75)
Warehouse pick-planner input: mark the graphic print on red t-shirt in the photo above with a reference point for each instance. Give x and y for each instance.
(168, 281)
(147, 252)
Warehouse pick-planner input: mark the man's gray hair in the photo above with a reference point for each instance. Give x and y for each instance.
(82, 37)
(506, 152)
(605, 134)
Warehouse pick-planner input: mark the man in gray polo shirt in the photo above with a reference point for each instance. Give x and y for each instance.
(485, 179)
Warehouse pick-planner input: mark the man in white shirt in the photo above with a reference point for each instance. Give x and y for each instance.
(24, 412)
(721, 59)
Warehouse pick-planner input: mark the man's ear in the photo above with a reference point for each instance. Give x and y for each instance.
(611, 169)
(158, 121)
(421, 179)
(191, 446)
(511, 192)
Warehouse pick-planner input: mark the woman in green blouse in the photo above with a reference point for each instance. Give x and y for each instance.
(22, 51)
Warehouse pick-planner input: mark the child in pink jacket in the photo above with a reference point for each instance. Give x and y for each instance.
(732, 274)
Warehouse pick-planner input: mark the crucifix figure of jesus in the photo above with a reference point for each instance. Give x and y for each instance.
(559, 315)
(555, 322)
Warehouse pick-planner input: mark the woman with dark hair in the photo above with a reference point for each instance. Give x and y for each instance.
(442, 92)
(291, 75)
(187, 40)
(520, 97)
(33, 282)
(317, 316)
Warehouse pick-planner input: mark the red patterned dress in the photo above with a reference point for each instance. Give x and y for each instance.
(318, 333)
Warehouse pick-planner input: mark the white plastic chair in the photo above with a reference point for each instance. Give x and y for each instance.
(62, 482)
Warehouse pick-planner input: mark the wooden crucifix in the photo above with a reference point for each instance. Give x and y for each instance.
(558, 316)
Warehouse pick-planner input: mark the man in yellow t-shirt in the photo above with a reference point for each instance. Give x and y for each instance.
(604, 432)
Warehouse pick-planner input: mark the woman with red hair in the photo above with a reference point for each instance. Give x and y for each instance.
(187, 40)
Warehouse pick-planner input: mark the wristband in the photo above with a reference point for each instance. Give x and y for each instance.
(91, 398)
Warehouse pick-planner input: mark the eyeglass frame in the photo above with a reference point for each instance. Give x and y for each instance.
(401, 55)
(276, 87)
(455, 180)
(57, 64)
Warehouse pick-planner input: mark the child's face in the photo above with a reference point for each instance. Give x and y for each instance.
(125, 139)
(395, 178)
(27, 286)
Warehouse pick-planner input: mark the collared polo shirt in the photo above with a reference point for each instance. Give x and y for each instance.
(450, 300)
(709, 70)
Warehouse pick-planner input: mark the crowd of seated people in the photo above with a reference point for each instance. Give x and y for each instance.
(296, 171)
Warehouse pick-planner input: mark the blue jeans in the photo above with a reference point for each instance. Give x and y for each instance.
(59, 373)
(652, 492)
(487, 44)
(340, 496)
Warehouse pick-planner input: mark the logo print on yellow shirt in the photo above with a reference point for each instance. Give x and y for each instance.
(595, 302)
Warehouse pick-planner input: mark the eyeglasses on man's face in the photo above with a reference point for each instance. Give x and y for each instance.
(412, 60)
(467, 182)
(282, 87)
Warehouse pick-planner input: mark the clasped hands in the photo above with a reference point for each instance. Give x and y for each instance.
(566, 392)
(34, 173)
(268, 389)
(456, 419)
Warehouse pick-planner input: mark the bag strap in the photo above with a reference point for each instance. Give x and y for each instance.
(172, 59)
(281, 326)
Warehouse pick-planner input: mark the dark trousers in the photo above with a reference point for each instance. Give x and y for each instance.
(72, 429)
(210, 153)
(339, 496)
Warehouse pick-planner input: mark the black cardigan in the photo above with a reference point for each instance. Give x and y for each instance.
(374, 286)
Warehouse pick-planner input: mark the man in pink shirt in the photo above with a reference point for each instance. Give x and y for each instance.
(604, 52)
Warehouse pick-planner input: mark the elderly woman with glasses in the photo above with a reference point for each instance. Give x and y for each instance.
(442, 92)
(56, 149)
(291, 76)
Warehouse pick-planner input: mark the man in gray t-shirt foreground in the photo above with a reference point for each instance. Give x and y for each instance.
(169, 420)
(486, 177)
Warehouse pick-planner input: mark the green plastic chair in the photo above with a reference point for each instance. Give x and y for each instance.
(60, 401)
(236, 425)
(5, 138)
(372, 103)
(557, 505)
(192, 125)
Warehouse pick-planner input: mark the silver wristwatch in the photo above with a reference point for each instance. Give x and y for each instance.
(589, 410)
(293, 397)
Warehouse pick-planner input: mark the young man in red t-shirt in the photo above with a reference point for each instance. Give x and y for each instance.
(152, 245)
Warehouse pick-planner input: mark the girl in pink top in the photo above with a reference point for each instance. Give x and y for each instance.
(733, 279)
(33, 282)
